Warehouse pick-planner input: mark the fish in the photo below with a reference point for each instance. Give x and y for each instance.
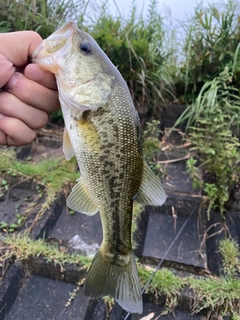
(103, 131)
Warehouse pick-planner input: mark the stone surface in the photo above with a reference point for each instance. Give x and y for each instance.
(10, 284)
(87, 227)
(163, 225)
(18, 200)
(178, 180)
(42, 298)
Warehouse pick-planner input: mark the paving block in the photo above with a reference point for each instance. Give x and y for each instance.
(42, 298)
(162, 229)
(153, 312)
(178, 180)
(10, 284)
(88, 228)
(16, 201)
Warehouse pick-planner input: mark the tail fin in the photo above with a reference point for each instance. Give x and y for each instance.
(121, 283)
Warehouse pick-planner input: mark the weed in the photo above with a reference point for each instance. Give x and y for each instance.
(50, 177)
(212, 38)
(22, 247)
(220, 296)
(211, 121)
(42, 16)
(135, 46)
(151, 145)
(231, 257)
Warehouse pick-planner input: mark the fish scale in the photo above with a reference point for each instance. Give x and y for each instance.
(102, 129)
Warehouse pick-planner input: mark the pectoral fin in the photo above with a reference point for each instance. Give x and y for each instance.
(80, 199)
(67, 146)
(151, 191)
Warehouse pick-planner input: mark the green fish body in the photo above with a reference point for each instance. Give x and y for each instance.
(102, 129)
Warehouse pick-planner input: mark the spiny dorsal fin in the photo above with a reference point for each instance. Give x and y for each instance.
(105, 278)
(151, 191)
(80, 199)
(67, 146)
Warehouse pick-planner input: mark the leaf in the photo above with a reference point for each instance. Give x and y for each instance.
(4, 182)
(3, 224)
(13, 226)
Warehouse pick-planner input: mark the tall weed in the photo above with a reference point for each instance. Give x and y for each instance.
(212, 37)
(42, 16)
(214, 122)
(135, 46)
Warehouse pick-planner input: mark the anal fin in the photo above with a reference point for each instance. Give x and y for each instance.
(151, 191)
(80, 199)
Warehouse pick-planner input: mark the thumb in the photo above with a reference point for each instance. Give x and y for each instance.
(15, 48)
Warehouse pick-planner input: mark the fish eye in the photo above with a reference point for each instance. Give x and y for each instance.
(85, 48)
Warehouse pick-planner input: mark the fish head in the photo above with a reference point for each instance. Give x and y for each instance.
(85, 75)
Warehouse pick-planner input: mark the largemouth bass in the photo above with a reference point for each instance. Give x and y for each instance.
(102, 129)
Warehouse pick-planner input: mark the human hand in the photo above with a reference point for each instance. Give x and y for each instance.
(27, 92)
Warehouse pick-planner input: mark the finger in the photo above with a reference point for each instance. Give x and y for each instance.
(32, 93)
(7, 70)
(15, 48)
(3, 138)
(43, 77)
(14, 132)
(11, 106)
(18, 46)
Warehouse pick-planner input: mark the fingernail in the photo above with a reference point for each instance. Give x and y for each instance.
(12, 82)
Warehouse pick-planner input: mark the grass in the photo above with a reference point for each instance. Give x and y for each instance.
(21, 247)
(220, 296)
(42, 16)
(135, 44)
(52, 175)
(211, 40)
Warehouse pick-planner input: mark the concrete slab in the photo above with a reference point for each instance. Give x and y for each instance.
(42, 298)
(20, 198)
(163, 226)
(10, 285)
(178, 179)
(153, 312)
(88, 228)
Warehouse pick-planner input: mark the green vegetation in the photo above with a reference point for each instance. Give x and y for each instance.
(151, 145)
(136, 46)
(22, 247)
(220, 296)
(212, 38)
(42, 16)
(51, 174)
(212, 121)
(50, 177)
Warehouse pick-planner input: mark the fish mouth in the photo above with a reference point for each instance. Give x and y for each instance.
(53, 47)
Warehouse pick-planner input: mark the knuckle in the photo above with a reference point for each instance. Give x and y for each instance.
(5, 99)
(22, 140)
(40, 120)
